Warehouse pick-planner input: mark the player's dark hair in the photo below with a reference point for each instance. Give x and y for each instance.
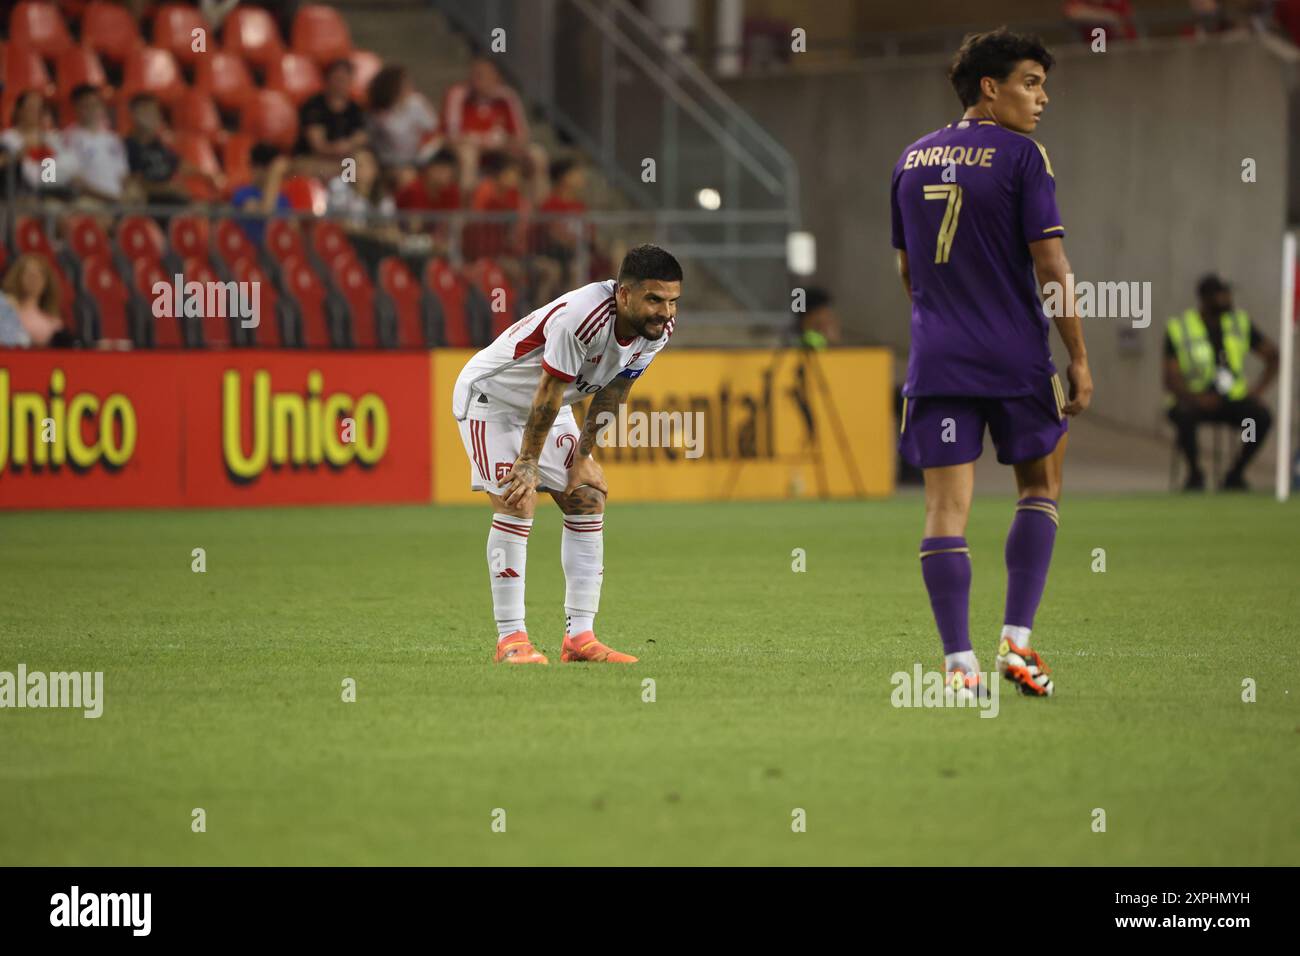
(649, 262)
(994, 54)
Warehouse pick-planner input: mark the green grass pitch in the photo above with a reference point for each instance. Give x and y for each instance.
(223, 691)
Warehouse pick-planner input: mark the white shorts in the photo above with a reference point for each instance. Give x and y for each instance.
(493, 446)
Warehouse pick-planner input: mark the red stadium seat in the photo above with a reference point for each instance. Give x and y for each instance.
(232, 242)
(321, 33)
(106, 290)
(251, 33)
(225, 76)
(215, 328)
(450, 290)
(301, 281)
(38, 28)
(399, 285)
(359, 294)
(189, 236)
(173, 30)
(284, 240)
(110, 30)
(195, 112)
(364, 67)
(305, 193)
(24, 70)
(86, 237)
(167, 332)
(236, 159)
(77, 65)
(328, 241)
(295, 76)
(268, 329)
(488, 278)
(29, 236)
(141, 239)
(269, 117)
(151, 70)
(196, 149)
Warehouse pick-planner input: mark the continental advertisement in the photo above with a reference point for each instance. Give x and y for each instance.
(719, 425)
(220, 429)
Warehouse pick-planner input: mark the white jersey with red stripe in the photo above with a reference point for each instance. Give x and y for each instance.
(571, 337)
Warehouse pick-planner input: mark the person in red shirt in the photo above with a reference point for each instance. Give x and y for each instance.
(1113, 16)
(484, 114)
(436, 189)
(556, 243)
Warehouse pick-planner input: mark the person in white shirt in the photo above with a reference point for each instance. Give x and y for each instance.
(513, 403)
(99, 152)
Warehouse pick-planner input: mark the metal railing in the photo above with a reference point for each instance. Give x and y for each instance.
(601, 75)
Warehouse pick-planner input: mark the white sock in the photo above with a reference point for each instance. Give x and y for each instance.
(507, 557)
(1018, 635)
(582, 552)
(963, 659)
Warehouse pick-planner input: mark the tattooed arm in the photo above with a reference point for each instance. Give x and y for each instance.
(607, 400)
(525, 476)
(585, 474)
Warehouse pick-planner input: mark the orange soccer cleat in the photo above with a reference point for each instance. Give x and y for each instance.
(585, 647)
(1024, 668)
(516, 649)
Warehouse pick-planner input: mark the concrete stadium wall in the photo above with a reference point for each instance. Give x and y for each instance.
(1146, 143)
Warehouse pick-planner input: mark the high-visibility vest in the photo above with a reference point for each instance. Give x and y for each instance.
(1195, 352)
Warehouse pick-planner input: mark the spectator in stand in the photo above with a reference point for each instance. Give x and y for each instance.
(32, 139)
(155, 167)
(1113, 16)
(333, 126)
(502, 240)
(31, 290)
(437, 189)
(365, 210)
(483, 114)
(556, 243)
(818, 327)
(101, 165)
(403, 124)
(262, 196)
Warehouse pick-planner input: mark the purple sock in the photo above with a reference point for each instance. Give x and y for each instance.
(1029, 553)
(945, 565)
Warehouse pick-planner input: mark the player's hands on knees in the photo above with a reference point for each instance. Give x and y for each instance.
(1080, 377)
(586, 471)
(522, 481)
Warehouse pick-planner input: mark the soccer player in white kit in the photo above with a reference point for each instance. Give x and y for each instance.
(513, 402)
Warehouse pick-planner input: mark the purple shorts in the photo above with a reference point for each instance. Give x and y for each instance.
(938, 431)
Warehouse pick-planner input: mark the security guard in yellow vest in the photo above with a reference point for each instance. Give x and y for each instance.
(1205, 351)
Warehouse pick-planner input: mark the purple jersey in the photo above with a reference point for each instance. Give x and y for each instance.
(978, 325)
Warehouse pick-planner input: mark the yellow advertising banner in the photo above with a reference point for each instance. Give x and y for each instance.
(720, 425)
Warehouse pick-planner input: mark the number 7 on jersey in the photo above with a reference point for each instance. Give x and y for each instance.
(950, 192)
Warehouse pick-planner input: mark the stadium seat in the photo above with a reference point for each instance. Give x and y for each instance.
(29, 236)
(302, 283)
(196, 149)
(269, 117)
(151, 70)
(24, 70)
(284, 240)
(195, 112)
(189, 236)
(295, 76)
(104, 288)
(110, 30)
(449, 291)
(320, 33)
(236, 159)
(251, 33)
(86, 237)
(305, 193)
(141, 239)
(38, 28)
(77, 65)
(397, 282)
(162, 333)
(270, 329)
(225, 76)
(232, 242)
(359, 296)
(365, 65)
(214, 330)
(488, 278)
(328, 241)
(173, 30)
(67, 301)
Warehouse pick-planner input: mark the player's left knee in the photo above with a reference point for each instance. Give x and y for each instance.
(584, 500)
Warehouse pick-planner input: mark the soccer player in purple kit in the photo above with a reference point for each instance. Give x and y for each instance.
(978, 233)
